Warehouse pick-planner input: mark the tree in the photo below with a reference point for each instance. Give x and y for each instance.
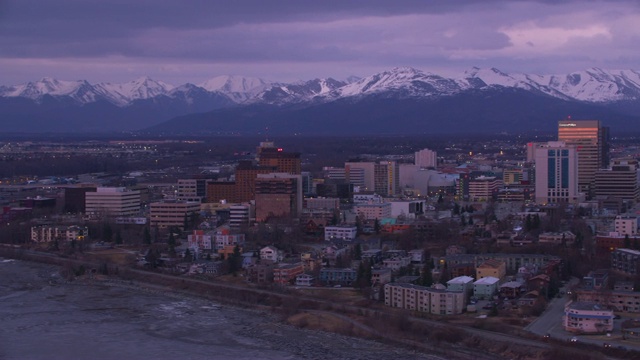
(456, 209)
(233, 261)
(376, 226)
(357, 252)
(107, 232)
(627, 241)
(427, 276)
(146, 237)
(172, 243)
(187, 256)
(185, 222)
(118, 237)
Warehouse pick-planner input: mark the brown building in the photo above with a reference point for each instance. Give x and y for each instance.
(286, 162)
(221, 190)
(246, 174)
(278, 194)
(74, 198)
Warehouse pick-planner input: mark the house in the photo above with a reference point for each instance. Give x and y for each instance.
(539, 283)
(310, 261)
(304, 280)
(596, 280)
(396, 262)
(380, 276)
(271, 253)
(587, 318)
(491, 268)
(248, 259)
(417, 256)
(529, 299)
(511, 289)
(485, 287)
(285, 274)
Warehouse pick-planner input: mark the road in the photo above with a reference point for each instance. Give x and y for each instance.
(550, 322)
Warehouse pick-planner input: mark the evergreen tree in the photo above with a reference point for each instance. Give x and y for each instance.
(427, 276)
(234, 260)
(456, 209)
(627, 241)
(146, 237)
(118, 237)
(357, 252)
(107, 232)
(172, 243)
(528, 223)
(185, 222)
(187, 256)
(376, 226)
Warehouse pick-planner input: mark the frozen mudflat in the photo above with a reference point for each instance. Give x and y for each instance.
(44, 317)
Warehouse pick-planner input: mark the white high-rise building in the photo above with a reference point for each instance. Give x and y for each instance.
(112, 201)
(556, 173)
(426, 158)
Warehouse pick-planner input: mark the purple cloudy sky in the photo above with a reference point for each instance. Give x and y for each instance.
(192, 41)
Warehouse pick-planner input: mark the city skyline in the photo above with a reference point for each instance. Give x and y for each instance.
(287, 41)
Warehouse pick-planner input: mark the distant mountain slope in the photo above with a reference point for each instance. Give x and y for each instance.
(395, 100)
(477, 111)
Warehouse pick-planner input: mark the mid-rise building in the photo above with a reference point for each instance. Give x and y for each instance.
(620, 181)
(171, 213)
(340, 232)
(626, 225)
(49, 233)
(284, 162)
(278, 195)
(373, 211)
(426, 158)
(556, 173)
(625, 261)
(587, 318)
(112, 201)
(386, 178)
(193, 190)
(424, 299)
(200, 240)
(240, 215)
(484, 188)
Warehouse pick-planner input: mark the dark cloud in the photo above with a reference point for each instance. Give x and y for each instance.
(295, 38)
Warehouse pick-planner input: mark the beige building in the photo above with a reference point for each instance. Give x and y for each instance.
(373, 211)
(48, 233)
(278, 195)
(171, 213)
(556, 173)
(112, 201)
(424, 299)
(493, 268)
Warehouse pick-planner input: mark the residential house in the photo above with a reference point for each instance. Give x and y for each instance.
(260, 273)
(380, 276)
(304, 280)
(271, 253)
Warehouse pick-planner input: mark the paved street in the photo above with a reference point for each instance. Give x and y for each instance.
(550, 322)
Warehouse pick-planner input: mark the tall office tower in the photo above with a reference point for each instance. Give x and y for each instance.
(591, 141)
(386, 178)
(620, 181)
(286, 162)
(264, 145)
(426, 158)
(556, 173)
(278, 194)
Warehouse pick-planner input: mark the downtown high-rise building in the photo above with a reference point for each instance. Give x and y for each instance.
(556, 173)
(591, 141)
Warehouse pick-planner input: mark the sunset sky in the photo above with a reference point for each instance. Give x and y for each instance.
(192, 41)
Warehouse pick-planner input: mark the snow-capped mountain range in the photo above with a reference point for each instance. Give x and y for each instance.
(593, 85)
(397, 100)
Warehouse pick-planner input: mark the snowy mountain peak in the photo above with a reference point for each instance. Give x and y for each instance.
(238, 88)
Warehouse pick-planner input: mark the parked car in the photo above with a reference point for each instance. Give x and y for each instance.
(573, 339)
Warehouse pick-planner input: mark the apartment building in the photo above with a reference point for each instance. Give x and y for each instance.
(424, 299)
